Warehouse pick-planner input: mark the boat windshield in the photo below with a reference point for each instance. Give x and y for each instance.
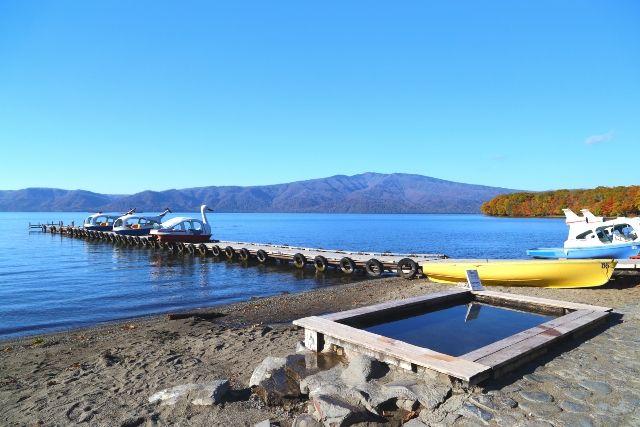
(172, 222)
(104, 220)
(624, 232)
(586, 235)
(604, 234)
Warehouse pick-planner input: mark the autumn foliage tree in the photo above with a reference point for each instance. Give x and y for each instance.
(602, 201)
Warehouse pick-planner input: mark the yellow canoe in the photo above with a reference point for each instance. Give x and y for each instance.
(562, 273)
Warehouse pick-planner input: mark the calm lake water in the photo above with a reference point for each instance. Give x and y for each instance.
(51, 283)
(459, 329)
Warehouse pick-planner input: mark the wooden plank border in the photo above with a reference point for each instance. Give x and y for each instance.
(338, 333)
(382, 308)
(518, 298)
(515, 354)
(323, 332)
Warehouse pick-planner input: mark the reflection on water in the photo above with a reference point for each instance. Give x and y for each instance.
(459, 329)
(50, 282)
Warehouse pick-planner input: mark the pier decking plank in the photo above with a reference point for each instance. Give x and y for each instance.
(332, 255)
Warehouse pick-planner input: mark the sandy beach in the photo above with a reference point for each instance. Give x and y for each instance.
(105, 375)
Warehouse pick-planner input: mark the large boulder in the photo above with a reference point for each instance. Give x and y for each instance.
(305, 420)
(430, 395)
(330, 377)
(370, 395)
(333, 411)
(363, 368)
(278, 378)
(198, 394)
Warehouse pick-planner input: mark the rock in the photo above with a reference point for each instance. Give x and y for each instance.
(263, 423)
(576, 393)
(414, 423)
(329, 383)
(335, 412)
(507, 419)
(211, 394)
(202, 394)
(596, 386)
(317, 380)
(300, 347)
(485, 401)
(472, 411)
(540, 378)
(534, 423)
(569, 406)
(374, 395)
(576, 420)
(536, 396)
(363, 368)
(278, 378)
(264, 369)
(408, 404)
(539, 410)
(171, 395)
(511, 388)
(453, 403)
(493, 402)
(430, 395)
(305, 420)
(450, 419)
(608, 420)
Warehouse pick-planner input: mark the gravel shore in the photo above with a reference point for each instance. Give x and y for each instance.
(105, 375)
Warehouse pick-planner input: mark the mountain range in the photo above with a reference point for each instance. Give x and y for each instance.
(363, 193)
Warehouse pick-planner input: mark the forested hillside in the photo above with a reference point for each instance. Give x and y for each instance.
(363, 193)
(602, 201)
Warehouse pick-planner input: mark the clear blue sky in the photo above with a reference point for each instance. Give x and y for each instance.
(122, 96)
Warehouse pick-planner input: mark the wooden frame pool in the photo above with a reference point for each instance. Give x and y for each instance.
(330, 333)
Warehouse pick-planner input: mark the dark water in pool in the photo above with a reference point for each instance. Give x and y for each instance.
(49, 282)
(459, 329)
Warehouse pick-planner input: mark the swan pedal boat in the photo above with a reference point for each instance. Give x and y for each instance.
(583, 273)
(134, 224)
(100, 221)
(185, 229)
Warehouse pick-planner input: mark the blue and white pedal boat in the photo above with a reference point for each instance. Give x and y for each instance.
(100, 221)
(594, 237)
(133, 224)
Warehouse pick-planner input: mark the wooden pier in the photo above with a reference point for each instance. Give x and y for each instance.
(43, 226)
(374, 264)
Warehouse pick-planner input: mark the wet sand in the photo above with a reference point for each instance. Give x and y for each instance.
(105, 375)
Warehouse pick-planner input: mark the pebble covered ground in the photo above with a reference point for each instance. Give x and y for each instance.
(590, 383)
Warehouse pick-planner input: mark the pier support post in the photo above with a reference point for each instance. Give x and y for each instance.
(313, 340)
